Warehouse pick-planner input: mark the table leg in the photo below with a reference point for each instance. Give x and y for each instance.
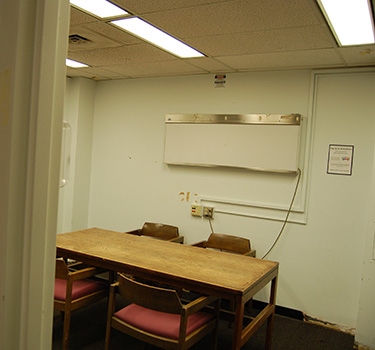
(270, 320)
(238, 323)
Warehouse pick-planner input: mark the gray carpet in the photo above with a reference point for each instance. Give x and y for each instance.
(88, 332)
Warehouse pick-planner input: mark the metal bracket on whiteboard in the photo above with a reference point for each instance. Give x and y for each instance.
(271, 119)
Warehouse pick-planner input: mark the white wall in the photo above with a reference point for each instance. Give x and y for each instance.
(339, 204)
(74, 197)
(366, 311)
(321, 252)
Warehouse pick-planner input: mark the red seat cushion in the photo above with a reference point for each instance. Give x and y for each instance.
(80, 288)
(160, 323)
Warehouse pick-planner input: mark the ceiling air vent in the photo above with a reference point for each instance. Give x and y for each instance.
(77, 39)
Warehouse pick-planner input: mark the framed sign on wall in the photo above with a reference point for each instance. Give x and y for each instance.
(340, 159)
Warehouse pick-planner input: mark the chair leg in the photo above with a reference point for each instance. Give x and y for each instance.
(66, 330)
(112, 277)
(110, 312)
(213, 342)
(107, 337)
(215, 332)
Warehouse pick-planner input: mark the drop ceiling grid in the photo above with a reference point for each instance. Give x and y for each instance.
(236, 35)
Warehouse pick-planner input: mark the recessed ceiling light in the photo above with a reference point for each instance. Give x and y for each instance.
(100, 8)
(74, 64)
(350, 20)
(157, 37)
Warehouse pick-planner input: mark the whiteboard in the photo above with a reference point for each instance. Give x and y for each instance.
(258, 145)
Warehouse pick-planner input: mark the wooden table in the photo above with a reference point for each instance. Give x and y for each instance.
(225, 275)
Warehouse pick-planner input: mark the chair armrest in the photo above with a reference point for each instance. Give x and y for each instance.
(251, 253)
(76, 265)
(199, 244)
(199, 304)
(135, 232)
(113, 289)
(114, 286)
(179, 239)
(85, 273)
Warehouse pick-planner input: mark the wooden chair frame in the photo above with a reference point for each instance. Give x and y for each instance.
(228, 243)
(68, 305)
(164, 300)
(161, 231)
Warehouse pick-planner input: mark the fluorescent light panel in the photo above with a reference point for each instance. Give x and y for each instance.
(74, 64)
(350, 20)
(157, 37)
(100, 8)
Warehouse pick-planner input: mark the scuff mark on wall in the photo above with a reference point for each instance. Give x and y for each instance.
(319, 322)
(187, 196)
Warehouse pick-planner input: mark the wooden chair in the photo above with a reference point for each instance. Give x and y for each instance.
(231, 244)
(228, 243)
(157, 316)
(74, 289)
(161, 231)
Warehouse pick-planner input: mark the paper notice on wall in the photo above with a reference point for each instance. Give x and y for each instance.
(340, 159)
(220, 80)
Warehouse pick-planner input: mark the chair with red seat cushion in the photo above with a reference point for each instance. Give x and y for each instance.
(74, 289)
(157, 316)
(160, 231)
(228, 243)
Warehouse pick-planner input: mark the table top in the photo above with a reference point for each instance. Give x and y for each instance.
(204, 270)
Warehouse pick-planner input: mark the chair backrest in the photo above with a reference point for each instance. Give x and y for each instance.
(151, 297)
(61, 269)
(159, 230)
(228, 243)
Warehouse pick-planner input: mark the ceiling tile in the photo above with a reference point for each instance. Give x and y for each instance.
(358, 55)
(210, 65)
(263, 41)
(235, 17)
(83, 72)
(112, 32)
(120, 55)
(80, 17)
(301, 59)
(147, 6)
(160, 68)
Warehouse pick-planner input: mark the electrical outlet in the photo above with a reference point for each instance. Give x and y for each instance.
(208, 212)
(196, 210)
